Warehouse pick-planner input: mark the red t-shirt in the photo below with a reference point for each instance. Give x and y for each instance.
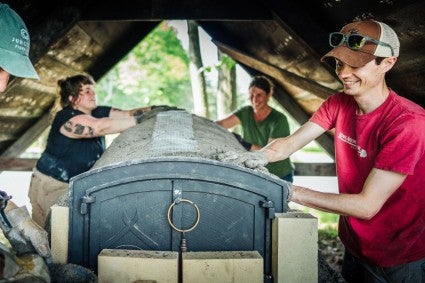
(392, 138)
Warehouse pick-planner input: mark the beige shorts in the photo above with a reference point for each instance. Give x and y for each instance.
(44, 191)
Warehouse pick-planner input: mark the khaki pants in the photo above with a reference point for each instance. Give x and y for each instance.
(44, 191)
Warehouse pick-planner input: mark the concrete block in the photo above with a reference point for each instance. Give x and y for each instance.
(59, 233)
(294, 248)
(226, 266)
(137, 266)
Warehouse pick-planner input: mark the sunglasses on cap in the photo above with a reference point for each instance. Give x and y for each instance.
(354, 41)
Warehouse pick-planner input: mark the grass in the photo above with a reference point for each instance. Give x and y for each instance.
(328, 222)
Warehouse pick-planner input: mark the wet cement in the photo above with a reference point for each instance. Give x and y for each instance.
(141, 141)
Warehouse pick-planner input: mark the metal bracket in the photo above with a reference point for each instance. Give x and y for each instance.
(85, 202)
(177, 195)
(270, 209)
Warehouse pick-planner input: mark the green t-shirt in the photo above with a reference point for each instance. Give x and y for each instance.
(274, 126)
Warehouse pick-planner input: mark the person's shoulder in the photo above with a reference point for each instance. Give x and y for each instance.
(64, 111)
(340, 97)
(406, 106)
(339, 100)
(406, 116)
(101, 111)
(103, 107)
(244, 109)
(66, 114)
(276, 112)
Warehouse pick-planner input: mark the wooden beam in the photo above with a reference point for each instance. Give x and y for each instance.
(293, 108)
(276, 72)
(28, 137)
(17, 164)
(125, 10)
(116, 50)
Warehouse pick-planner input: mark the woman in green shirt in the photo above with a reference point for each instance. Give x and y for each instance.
(261, 124)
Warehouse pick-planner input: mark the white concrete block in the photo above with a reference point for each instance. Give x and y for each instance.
(59, 233)
(117, 266)
(223, 267)
(294, 248)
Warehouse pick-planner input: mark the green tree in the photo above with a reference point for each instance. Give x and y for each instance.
(226, 86)
(199, 88)
(156, 71)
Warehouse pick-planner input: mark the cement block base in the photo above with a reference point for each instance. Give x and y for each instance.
(294, 248)
(231, 266)
(116, 266)
(59, 233)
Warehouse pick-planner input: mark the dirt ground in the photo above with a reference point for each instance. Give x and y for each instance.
(331, 253)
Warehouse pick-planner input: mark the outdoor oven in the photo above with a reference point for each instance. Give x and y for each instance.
(172, 203)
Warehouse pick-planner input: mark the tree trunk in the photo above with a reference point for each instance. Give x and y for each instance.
(226, 86)
(199, 90)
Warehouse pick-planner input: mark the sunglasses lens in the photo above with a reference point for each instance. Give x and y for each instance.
(355, 41)
(336, 39)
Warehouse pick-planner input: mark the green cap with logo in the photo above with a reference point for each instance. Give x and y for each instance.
(14, 44)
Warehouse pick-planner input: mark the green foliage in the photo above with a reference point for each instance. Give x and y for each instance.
(328, 222)
(327, 232)
(327, 218)
(156, 71)
(225, 61)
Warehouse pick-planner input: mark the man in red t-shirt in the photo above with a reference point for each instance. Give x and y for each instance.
(380, 158)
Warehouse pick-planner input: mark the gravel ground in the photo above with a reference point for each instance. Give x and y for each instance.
(331, 253)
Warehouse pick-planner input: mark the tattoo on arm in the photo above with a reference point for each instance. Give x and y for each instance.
(68, 126)
(79, 129)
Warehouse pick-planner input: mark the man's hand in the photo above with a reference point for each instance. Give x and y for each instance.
(256, 159)
(251, 159)
(25, 233)
(290, 188)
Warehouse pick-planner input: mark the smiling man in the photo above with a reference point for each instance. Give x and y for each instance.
(380, 158)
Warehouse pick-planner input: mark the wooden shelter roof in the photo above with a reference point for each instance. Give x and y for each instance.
(282, 39)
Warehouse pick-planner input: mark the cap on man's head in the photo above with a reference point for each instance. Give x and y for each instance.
(373, 29)
(14, 44)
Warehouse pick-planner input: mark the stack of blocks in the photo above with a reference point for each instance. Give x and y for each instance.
(294, 257)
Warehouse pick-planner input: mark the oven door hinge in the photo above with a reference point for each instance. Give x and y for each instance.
(269, 206)
(85, 202)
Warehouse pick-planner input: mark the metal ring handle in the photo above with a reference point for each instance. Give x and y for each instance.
(198, 216)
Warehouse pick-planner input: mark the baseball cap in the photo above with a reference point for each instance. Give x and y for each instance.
(14, 44)
(382, 42)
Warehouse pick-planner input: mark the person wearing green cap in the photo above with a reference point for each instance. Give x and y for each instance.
(28, 240)
(14, 47)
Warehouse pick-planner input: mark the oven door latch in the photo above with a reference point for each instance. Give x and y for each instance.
(85, 202)
(269, 206)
